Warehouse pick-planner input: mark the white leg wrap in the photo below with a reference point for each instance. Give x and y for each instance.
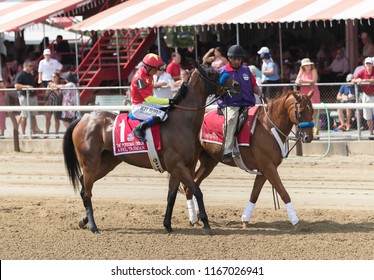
(191, 211)
(291, 214)
(196, 205)
(247, 213)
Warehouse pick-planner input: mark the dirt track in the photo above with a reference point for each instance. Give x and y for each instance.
(334, 198)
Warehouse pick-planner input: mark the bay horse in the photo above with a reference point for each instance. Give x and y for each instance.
(88, 145)
(264, 153)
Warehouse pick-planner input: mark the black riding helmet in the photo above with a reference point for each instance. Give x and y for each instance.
(236, 51)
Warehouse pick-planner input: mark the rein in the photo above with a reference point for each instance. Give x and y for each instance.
(296, 138)
(206, 79)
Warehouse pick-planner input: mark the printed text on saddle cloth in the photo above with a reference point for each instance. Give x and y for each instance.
(124, 141)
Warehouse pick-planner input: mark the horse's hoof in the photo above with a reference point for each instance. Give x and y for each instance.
(168, 230)
(297, 227)
(82, 224)
(245, 225)
(95, 231)
(207, 231)
(195, 224)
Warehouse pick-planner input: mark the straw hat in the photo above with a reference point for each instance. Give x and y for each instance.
(306, 61)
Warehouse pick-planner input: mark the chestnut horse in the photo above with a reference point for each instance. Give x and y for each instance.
(264, 153)
(88, 145)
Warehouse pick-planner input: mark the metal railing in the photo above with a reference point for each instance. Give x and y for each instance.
(328, 93)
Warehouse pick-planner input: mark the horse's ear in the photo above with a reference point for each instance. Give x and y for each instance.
(310, 94)
(296, 95)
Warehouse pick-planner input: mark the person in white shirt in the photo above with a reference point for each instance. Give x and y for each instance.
(163, 84)
(47, 67)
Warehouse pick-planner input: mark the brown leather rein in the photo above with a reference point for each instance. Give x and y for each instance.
(206, 105)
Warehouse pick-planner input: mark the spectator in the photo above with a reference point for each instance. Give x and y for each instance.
(339, 67)
(47, 67)
(367, 75)
(185, 74)
(367, 45)
(2, 98)
(54, 99)
(63, 51)
(307, 77)
(8, 80)
(232, 105)
(25, 80)
(346, 94)
(69, 97)
(258, 75)
(44, 44)
(215, 57)
(174, 67)
(163, 84)
(269, 73)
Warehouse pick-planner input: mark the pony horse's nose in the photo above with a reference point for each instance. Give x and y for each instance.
(306, 139)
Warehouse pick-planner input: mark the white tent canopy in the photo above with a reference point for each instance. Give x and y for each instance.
(34, 34)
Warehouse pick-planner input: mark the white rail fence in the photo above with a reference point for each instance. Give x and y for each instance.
(324, 108)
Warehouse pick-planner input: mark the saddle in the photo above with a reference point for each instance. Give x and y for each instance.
(212, 130)
(243, 115)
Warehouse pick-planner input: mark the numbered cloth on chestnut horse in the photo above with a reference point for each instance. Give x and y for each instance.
(212, 130)
(124, 141)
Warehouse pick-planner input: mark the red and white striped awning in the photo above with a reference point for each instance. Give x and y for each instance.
(18, 14)
(134, 14)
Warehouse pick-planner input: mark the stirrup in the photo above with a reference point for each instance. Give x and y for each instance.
(139, 134)
(227, 157)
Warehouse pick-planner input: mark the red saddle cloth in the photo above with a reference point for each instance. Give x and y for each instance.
(124, 141)
(213, 126)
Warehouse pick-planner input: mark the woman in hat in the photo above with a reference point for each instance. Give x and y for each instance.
(270, 75)
(307, 77)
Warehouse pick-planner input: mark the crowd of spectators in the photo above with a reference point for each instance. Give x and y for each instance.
(328, 64)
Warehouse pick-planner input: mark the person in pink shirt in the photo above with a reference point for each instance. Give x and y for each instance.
(174, 67)
(367, 75)
(306, 78)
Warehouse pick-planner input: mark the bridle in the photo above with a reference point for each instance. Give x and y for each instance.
(298, 123)
(210, 85)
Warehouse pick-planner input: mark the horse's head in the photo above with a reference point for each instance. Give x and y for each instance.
(216, 83)
(303, 115)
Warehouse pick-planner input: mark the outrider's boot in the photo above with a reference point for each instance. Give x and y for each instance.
(140, 129)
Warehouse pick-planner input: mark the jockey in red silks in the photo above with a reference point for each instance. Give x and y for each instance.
(145, 106)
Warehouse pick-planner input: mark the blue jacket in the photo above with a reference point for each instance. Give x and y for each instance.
(246, 80)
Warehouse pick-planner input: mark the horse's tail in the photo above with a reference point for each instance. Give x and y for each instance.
(70, 157)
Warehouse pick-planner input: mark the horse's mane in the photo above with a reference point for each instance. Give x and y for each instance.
(181, 93)
(276, 105)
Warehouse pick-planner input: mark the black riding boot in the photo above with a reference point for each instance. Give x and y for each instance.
(140, 129)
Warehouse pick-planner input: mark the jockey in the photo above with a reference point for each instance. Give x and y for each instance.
(231, 105)
(145, 106)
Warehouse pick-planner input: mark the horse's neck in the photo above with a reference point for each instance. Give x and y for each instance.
(279, 113)
(191, 118)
